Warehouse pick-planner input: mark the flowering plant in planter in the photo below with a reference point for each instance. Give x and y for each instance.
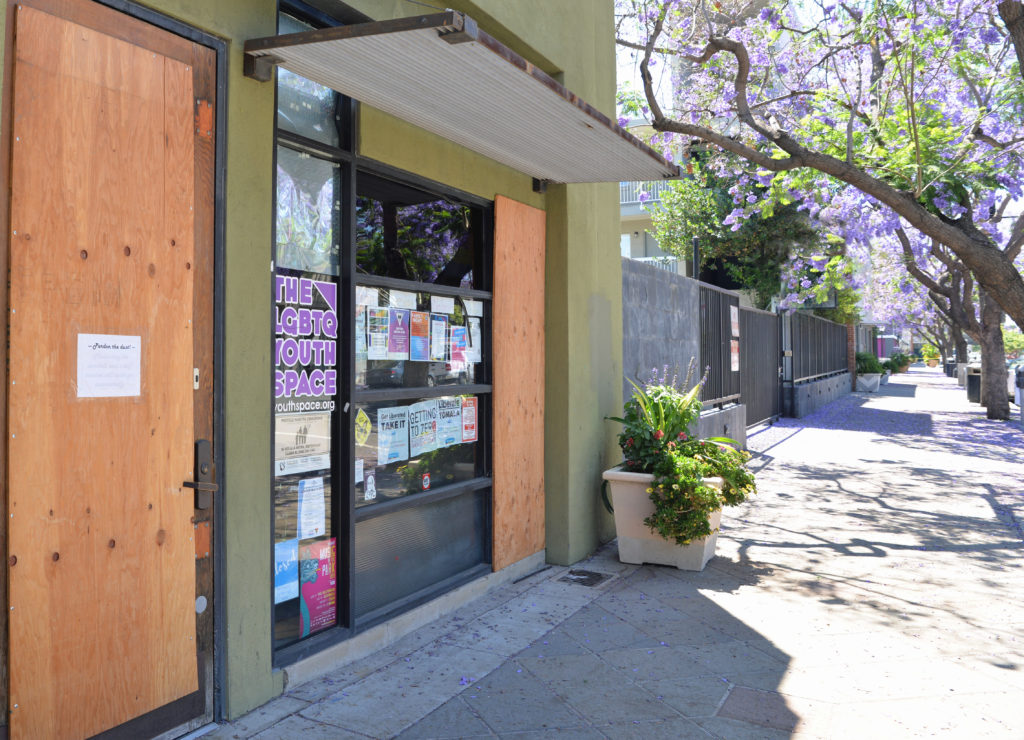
(656, 439)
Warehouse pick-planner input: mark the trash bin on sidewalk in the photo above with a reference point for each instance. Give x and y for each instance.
(1019, 395)
(950, 368)
(974, 384)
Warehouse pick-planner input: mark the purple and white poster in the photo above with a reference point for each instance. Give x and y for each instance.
(398, 334)
(306, 347)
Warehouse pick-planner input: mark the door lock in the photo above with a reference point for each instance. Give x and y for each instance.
(203, 485)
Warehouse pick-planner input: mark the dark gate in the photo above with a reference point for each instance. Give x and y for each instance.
(760, 365)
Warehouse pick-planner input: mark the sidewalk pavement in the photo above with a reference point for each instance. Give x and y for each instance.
(872, 589)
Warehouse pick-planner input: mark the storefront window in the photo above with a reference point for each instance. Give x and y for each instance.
(381, 334)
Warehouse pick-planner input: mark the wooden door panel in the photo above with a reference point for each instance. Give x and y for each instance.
(102, 622)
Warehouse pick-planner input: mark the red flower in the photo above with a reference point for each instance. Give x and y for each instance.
(629, 442)
(682, 436)
(659, 434)
(671, 445)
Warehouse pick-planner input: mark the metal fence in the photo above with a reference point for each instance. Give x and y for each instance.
(669, 264)
(719, 345)
(760, 365)
(818, 346)
(629, 192)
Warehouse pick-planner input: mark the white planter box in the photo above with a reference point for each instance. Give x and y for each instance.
(638, 543)
(868, 382)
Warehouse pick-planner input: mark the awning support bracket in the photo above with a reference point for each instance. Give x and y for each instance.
(260, 68)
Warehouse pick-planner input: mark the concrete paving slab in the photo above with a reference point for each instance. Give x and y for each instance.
(512, 699)
(453, 719)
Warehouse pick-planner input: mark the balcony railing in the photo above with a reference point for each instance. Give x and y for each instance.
(629, 192)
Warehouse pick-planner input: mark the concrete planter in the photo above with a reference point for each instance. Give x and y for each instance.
(869, 382)
(639, 544)
(884, 380)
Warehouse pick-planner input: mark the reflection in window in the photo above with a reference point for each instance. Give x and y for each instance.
(308, 213)
(305, 107)
(406, 234)
(408, 447)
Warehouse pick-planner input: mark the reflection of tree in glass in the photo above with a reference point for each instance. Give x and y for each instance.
(440, 463)
(304, 225)
(427, 242)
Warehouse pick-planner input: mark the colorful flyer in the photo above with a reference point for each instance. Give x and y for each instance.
(438, 337)
(403, 299)
(398, 334)
(377, 333)
(363, 427)
(286, 570)
(459, 343)
(449, 421)
(422, 427)
(474, 351)
(469, 408)
(302, 442)
(360, 332)
(318, 602)
(312, 512)
(442, 304)
(734, 351)
(392, 435)
(419, 340)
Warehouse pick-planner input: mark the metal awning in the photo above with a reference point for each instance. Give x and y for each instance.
(443, 74)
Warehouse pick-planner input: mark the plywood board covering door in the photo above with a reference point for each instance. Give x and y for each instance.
(102, 589)
(518, 356)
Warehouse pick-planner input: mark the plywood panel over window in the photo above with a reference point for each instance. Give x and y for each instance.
(518, 357)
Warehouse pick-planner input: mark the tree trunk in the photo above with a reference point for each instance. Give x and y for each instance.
(994, 396)
(1012, 13)
(960, 342)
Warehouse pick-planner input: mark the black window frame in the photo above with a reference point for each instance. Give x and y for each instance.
(343, 513)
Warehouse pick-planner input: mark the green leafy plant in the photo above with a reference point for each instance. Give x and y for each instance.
(930, 352)
(889, 365)
(656, 438)
(899, 362)
(867, 363)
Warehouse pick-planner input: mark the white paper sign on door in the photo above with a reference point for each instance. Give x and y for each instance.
(109, 366)
(312, 511)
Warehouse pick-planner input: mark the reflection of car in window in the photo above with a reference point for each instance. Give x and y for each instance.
(386, 373)
(440, 373)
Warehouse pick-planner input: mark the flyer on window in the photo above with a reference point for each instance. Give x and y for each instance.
(312, 510)
(286, 570)
(449, 421)
(377, 333)
(474, 352)
(469, 417)
(422, 427)
(398, 334)
(392, 435)
(438, 337)
(302, 442)
(318, 579)
(360, 332)
(419, 339)
(458, 348)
